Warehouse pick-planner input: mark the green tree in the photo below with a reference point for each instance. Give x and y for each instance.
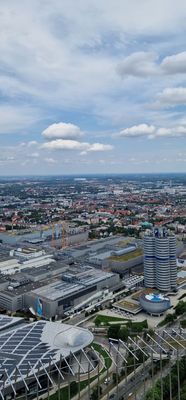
(96, 391)
(113, 331)
(180, 308)
(123, 333)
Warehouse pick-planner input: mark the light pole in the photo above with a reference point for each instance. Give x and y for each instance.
(161, 374)
(170, 377)
(178, 373)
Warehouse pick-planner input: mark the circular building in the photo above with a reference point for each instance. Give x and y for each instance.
(154, 304)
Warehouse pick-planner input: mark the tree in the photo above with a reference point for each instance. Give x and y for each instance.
(183, 323)
(73, 388)
(180, 308)
(124, 333)
(97, 390)
(113, 331)
(97, 321)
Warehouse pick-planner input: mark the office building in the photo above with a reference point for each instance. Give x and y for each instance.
(160, 269)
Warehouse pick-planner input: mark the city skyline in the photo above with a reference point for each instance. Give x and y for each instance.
(92, 88)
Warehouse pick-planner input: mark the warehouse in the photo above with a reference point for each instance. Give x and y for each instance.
(73, 291)
(51, 291)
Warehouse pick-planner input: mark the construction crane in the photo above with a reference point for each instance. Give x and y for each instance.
(53, 241)
(64, 234)
(64, 241)
(64, 231)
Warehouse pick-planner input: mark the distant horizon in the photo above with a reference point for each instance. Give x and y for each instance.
(92, 174)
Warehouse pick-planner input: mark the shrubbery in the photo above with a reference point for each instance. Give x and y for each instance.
(180, 309)
(122, 332)
(166, 387)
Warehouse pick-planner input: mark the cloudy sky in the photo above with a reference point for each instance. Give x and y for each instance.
(92, 86)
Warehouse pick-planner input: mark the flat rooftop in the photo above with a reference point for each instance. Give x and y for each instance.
(57, 290)
(128, 256)
(77, 282)
(98, 246)
(129, 306)
(20, 290)
(54, 268)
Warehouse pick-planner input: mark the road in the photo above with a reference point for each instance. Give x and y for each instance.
(130, 384)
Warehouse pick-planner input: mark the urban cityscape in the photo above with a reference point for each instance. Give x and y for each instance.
(92, 200)
(92, 287)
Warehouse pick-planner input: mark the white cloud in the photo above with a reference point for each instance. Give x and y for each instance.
(138, 130)
(62, 130)
(172, 96)
(141, 64)
(171, 132)
(151, 132)
(174, 64)
(145, 64)
(62, 136)
(61, 144)
(100, 147)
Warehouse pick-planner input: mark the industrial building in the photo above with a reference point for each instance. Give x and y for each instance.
(26, 253)
(75, 290)
(13, 266)
(110, 253)
(160, 270)
(75, 236)
(49, 289)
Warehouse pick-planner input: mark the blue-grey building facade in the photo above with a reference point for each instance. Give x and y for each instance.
(160, 270)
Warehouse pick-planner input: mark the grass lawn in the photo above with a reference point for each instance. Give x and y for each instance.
(102, 352)
(73, 392)
(104, 319)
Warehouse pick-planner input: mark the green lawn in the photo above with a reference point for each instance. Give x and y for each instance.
(104, 319)
(102, 352)
(74, 390)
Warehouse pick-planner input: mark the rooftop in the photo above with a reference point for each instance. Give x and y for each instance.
(72, 283)
(128, 256)
(36, 344)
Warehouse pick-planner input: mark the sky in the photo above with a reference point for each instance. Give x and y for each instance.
(92, 86)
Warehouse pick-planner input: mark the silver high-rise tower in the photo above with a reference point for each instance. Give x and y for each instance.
(160, 269)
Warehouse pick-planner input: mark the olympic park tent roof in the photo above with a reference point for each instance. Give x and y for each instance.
(36, 345)
(7, 322)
